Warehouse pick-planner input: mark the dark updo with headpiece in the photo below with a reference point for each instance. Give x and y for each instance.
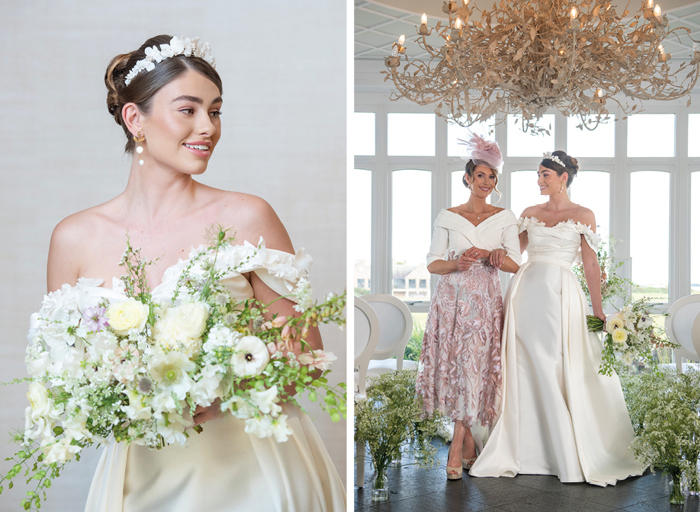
(570, 165)
(146, 84)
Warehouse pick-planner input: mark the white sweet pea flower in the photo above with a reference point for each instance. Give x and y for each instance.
(173, 432)
(205, 390)
(266, 401)
(238, 407)
(268, 426)
(250, 358)
(58, 451)
(136, 410)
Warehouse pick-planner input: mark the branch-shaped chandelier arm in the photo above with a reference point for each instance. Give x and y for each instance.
(526, 57)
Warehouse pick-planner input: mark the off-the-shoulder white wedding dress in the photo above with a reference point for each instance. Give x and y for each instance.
(558, 415)
(223, 469)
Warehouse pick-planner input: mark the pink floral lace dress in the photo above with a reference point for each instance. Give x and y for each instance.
(460, 364)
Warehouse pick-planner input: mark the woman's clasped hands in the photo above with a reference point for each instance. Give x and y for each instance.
(495, 257)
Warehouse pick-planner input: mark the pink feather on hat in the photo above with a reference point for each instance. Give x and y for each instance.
(484, 150)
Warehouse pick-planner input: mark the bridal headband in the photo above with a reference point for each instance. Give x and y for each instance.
(178, 46)
(554, 158)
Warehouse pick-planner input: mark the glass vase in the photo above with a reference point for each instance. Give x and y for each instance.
(380, 491)
(676, 495)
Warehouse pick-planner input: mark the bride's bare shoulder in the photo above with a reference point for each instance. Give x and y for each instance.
(252, 217)
(584, 216)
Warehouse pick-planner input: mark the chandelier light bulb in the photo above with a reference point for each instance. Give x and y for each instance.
(650, 4)
(424, 19)
(599, 93)
(657, 10)
(402, 40)
(573, 13)
(458, 23)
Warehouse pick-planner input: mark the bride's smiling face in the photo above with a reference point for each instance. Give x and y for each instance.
(549, 182)
(184, 124)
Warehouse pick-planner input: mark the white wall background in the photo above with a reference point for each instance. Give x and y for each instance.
(283, 65)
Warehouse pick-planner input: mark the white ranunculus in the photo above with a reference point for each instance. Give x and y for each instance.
(619, 336)
(181, 328)
(266, 400)
(250, 358)
(128, 315)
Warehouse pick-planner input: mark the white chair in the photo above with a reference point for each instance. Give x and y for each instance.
(395, 329)
(683, 327)
(366, 339)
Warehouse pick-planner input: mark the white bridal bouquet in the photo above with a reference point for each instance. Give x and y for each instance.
(631, 333)
(128, 365)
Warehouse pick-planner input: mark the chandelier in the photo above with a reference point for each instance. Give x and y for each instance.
(524, 57)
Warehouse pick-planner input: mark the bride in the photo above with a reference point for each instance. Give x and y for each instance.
(558, 416)
(169, 105)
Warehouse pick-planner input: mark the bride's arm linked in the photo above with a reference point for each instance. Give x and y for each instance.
(591, 269)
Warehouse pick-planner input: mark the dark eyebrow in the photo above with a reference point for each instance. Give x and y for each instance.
(196, 99)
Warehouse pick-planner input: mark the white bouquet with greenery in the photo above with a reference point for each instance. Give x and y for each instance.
(136, 369)
(631, 333)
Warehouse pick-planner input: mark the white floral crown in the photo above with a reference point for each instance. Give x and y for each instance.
(554, 158)
(178, 46)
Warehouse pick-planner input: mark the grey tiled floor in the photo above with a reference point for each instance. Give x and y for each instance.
(413, 489)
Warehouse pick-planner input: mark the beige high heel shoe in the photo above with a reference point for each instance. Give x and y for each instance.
(453, 473)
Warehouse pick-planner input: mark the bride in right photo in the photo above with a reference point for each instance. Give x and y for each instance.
(559, 415)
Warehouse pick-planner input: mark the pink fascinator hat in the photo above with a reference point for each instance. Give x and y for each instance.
(484, 151)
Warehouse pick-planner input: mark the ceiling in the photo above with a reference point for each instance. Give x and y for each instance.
(379, 23)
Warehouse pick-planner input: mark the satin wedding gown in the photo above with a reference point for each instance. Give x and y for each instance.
(223, 469)
(559, 416)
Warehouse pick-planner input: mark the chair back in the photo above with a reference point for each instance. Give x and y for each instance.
(395, 326)
(366, 338)
(683, 326)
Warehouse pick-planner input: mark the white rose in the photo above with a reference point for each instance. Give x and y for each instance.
(127, 315)
(250, 358)
(38, 397)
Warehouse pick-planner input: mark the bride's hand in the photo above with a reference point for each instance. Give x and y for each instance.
(204, 414)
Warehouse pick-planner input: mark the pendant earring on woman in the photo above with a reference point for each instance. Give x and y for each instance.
(139, 138)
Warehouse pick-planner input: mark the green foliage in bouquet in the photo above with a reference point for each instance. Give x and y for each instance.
(631, 333)
(664, 408)
(133, 369)
(390, 415)
(612, 285)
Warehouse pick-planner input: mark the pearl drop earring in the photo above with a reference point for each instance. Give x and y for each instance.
(138, 138)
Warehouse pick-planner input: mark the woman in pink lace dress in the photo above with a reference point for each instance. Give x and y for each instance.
(460, 370)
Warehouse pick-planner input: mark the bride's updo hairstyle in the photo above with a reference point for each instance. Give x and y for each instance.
(145, 84)
(560, 163)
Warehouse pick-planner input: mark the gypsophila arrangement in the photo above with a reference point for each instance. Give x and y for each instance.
(133, 364)
(664, 408)
(612, 285)
(631, 333)
(389, 415)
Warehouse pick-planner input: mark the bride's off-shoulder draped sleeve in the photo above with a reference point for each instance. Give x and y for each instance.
(223, 468)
